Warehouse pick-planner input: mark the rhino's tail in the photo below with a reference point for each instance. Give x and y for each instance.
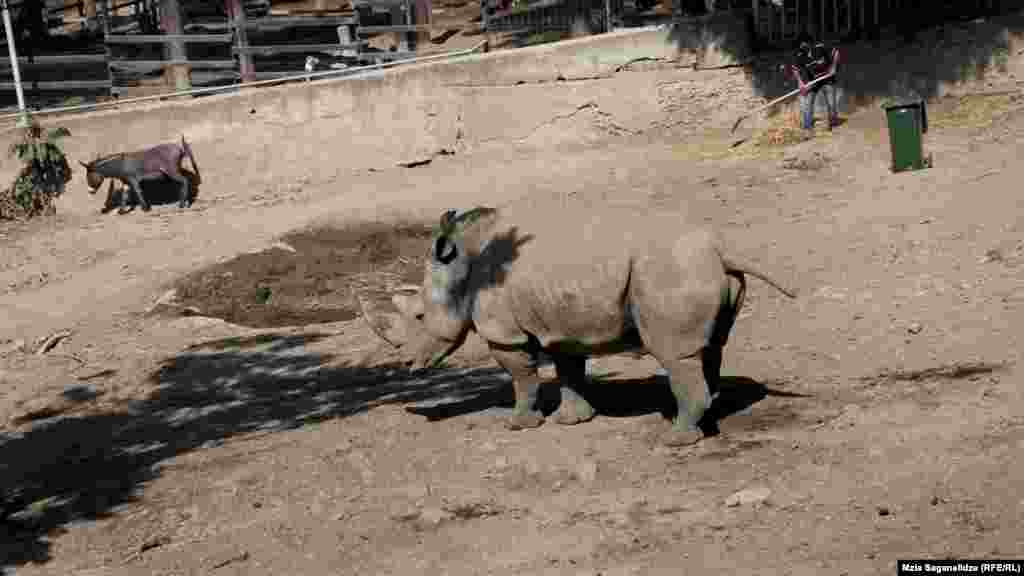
(191, 158)
(734, 265)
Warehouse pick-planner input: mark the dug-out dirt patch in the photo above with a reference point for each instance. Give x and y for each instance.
(308, 277)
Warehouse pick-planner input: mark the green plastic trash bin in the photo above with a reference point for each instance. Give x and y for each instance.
(908, 120)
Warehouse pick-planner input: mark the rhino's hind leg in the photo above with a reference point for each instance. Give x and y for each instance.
(573, 407)
(693, 398)
(522, 366)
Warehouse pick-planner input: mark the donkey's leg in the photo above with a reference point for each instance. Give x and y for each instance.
(184, 189)
(136, 187)
(123, 200)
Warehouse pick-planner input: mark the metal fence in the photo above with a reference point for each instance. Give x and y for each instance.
(112, 52)
(536, 21)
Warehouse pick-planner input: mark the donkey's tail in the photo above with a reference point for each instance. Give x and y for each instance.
(191, 158)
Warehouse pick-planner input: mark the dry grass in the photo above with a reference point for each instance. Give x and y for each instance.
(783, 129)
(973, 111)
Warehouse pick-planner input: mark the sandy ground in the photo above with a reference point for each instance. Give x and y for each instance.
(877, 417)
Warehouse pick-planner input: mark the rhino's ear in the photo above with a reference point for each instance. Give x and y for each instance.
(445, 250)
(447, 221)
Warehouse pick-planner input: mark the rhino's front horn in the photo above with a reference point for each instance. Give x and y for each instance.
(373, 320)
(388, 326)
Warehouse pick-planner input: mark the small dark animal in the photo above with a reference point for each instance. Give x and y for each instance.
(131, 168)
(159, 191)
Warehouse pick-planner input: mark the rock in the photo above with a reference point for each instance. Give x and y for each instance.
(167, 303)
(432, 517)
(993, 255)
(748, 496)
(883, 511)
(81, 392)
(586, 471)
(154, 542)
(283, 246)
(915, 328)
(11, 346)
(416, 162)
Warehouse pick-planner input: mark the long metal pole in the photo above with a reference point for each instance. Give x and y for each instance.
(13, 51)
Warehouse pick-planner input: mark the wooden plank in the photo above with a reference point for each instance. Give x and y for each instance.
(531, 8)
(405, 28)
(289, 21)
(293, 48)
(62, 85)
(397, 55)
(117, 7)
(146, 65)
(168, 38)
(43, 61)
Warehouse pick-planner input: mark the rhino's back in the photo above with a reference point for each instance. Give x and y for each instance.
(561, 276)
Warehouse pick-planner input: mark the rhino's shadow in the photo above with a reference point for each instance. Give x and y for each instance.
(617, 398)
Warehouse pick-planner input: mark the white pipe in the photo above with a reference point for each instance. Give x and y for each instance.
(13, 51)
(283, 79)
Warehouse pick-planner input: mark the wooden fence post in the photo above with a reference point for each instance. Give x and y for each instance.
(423, 15)
(88, 11)
(172, 22)
(106, 46)
(245, 60)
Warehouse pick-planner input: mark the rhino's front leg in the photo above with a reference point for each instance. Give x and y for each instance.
(573, 407)
(522, 366)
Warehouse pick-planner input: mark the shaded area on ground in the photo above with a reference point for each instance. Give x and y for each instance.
(920, 52)
(65, 469)
(620, 398)
(309, 277)
(156, 191)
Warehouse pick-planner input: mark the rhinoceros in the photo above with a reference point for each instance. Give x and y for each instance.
(572, 284)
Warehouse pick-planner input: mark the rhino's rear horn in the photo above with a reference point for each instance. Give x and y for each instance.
(444, 250)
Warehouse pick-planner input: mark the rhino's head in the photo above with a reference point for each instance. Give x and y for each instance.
(436, 316)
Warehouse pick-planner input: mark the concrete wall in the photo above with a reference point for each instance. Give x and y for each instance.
(321, 130)
(372, 120)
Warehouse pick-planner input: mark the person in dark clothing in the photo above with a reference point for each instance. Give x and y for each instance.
(813, 60)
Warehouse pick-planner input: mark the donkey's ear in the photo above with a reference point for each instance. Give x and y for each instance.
(83, 164)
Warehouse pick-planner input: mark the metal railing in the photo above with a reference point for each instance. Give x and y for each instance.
(354, 71)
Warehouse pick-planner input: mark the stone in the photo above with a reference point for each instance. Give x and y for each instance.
(748, 496)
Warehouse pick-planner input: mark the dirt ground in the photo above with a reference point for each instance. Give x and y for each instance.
(878, 416)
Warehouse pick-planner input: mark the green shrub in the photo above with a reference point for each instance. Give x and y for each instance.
(44, 174)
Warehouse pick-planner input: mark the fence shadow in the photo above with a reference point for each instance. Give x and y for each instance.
(68, 468)
(921, 53)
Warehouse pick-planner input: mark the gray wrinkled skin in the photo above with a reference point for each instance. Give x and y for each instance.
(578, 283)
